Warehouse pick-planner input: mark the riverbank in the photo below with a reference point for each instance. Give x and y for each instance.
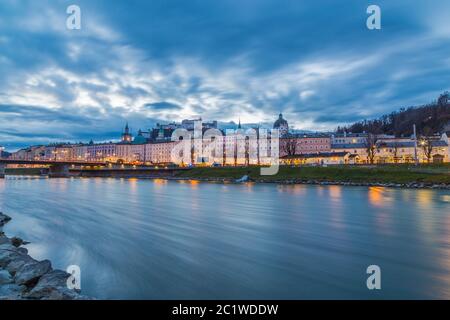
(397, 176)
(22, 277)
(400, 176)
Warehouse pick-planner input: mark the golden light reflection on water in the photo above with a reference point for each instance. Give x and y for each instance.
(376, 196)
(424, 198)
(160, 181)
(336, 210)
(194, 184)
(133, 184)
(335, 192)
(297, 189)
(425, 201)
(249, 187)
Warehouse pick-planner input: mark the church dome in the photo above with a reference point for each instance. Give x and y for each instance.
(139, 139)
(280, 123)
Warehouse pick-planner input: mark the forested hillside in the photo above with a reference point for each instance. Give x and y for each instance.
(430, 118)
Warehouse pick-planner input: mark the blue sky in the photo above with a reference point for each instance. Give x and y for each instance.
(160, 60)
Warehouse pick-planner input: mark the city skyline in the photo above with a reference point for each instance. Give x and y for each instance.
(159, 62)
(224, 158)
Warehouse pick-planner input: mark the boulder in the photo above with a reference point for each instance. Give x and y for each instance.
(17, 242)
(49, 282)
(53, 286)
(18, 262)
(5, 277)
(11, 291)
(7, 246)
(30, 273)
(22, 250)
(4, 240)
(7, 253)
(63, 294)
(4, 219)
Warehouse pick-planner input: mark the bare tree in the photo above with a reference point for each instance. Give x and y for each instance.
(371, 147)
(289, 146)
(247, 151)
(394, 151)
(427, 146)
(235, 146)
(426, 143)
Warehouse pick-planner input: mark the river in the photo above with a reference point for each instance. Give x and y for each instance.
(158, 239)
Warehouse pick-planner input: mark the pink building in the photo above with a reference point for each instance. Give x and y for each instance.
(304, 144)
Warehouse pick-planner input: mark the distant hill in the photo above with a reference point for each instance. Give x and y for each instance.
(430, 118)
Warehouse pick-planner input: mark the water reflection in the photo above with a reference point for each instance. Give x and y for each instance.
(335, 192)
(376, 196)
(186, 240)
(299, 189)
(424, 198)
(193, 184)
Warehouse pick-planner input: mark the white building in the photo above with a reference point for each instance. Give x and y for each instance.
(348, 138)
(101, 152)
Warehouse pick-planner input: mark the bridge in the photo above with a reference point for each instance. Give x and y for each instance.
(62, 169)
(56, 168)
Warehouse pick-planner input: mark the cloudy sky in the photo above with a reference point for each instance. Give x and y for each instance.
(161, 60)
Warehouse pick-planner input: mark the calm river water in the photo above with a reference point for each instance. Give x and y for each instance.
(156, 239)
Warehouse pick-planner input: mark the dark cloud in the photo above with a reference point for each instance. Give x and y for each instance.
(40, 114)
(162, 106)
(315, 61)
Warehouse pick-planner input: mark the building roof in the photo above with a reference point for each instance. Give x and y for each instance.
(350, 135)
(348, 146)
(410, 144)
(315, 135)
(353, 155)
(140, 139)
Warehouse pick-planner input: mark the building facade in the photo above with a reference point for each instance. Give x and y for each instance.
(304, 144)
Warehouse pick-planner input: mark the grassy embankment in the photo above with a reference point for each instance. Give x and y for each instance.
(383, 174)
(359, 174)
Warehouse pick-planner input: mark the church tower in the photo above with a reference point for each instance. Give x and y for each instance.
(126, 135)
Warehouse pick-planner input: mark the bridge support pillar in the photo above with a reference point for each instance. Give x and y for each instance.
(2, 170)
(58, 171)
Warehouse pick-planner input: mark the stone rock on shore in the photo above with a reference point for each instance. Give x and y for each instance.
(17, 263)
(17, 242)
(4, 240)
(7, 253)
(11, 291)
(22, 277)
(53, 285)
(5, 277)
(30, 273)
(4, 219)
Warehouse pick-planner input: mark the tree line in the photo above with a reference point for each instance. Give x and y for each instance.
(430, 118)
